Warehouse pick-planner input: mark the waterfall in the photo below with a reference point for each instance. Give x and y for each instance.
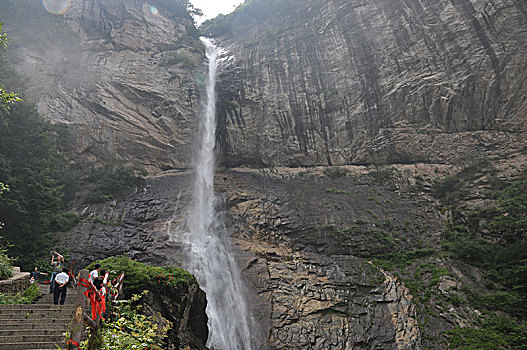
(210, 256)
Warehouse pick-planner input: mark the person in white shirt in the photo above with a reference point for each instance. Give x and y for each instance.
(61, 281)
(94, 274)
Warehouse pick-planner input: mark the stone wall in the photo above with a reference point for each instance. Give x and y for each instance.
(16, 283)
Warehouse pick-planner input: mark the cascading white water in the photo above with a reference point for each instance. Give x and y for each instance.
(211, 258)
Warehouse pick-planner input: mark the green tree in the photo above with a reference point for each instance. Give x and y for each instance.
(31, 164)
(6, 98)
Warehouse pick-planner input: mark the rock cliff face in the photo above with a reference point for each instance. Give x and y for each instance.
(313, 289)
(332, 82)
(119, 74)
(342, 82)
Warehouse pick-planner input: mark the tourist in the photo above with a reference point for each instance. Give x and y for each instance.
(34, 275)
(58, 265)
(61, 281)
(97, 282)
(94, 274)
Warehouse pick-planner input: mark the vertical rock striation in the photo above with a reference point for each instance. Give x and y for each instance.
(340, 82)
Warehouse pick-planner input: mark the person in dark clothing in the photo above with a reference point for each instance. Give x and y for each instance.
(97, 282)
(61, 288)
(34, 275)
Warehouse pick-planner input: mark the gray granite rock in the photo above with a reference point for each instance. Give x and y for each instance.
(347, 82)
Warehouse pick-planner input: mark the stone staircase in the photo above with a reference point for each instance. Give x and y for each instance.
(36, 326)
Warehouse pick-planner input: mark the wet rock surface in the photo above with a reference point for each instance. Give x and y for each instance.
(136, 226)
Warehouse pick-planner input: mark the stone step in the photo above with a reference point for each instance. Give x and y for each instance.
(32, 326)
(32, 331)
(50, 302)
(36, 307)
(49, 298)
(37, 315)
(24, 321)
(31, 339)
(29, 346)
(36, 312)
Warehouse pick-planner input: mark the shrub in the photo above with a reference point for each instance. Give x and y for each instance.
(126, 328)
(139, 276)
(28, 296)
(110, 180)
(497, 332)
(335, 172)
(6, 265)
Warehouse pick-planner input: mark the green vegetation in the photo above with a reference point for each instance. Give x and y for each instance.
(43, 177)
(109, 181)
(140, 276)
(126, 328)
(389, 244)
(246, 15)
(6, 98)
(454, 188)
(28, 296)
(177, 58)
(337, 191)
(6, 264)
(494, 239)
(423, 279)
(31, 164)
(496, 332)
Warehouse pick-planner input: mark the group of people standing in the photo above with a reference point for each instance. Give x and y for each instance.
(60, 278)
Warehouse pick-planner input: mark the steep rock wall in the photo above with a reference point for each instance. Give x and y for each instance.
(340, 82)
(307, 240)
(118, 74)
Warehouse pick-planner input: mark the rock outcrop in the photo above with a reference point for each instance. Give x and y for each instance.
(347, 82)
(313, 289)
(185, 310)
(120, 75)
(138, 225)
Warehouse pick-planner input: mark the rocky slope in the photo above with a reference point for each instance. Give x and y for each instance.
(121, 75)
(343, 82)
(308, 242)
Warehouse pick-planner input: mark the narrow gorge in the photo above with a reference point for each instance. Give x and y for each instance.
(360, 182)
